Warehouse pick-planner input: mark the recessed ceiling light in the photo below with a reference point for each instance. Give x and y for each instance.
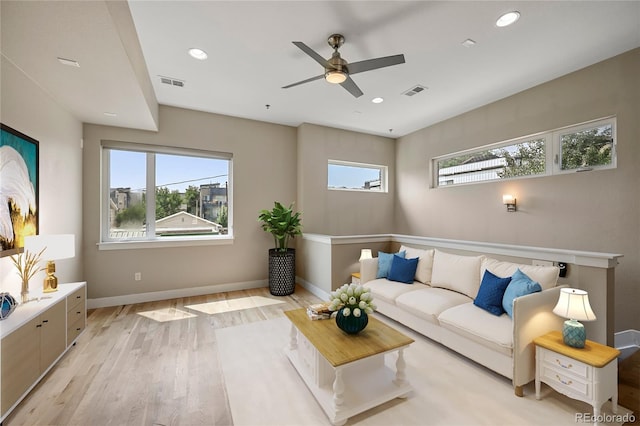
(198, 53)
(508, 19)
(69, 62)
(110, 114)
(377, 100)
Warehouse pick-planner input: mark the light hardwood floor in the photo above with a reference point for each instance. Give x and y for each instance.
(157, 363)
(150, 363)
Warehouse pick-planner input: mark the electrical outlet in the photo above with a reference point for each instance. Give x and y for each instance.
(542, 262)
(137, 276)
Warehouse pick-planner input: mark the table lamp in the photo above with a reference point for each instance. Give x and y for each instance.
(574, 305)
(365, 254)
(57, 247)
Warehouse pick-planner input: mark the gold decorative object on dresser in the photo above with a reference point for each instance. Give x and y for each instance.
(35, 337)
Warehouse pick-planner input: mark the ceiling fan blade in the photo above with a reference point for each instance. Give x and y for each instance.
(309, 51)
(317, 77)
(372, 64)
(351, 87)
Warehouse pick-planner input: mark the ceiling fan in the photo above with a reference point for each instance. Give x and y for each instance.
(339, 71)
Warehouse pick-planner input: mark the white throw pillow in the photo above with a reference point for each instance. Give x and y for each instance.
(425, 264)
(457, 273)
(546, 276)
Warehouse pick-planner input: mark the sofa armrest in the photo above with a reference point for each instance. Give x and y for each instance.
(532, 317)
(368, 270)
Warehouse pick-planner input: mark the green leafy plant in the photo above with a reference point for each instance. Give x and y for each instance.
(282, 223)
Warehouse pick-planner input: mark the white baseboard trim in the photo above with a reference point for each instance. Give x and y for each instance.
(103, 302)
(316, 291)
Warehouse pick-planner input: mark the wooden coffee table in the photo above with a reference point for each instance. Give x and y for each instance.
(347, 373)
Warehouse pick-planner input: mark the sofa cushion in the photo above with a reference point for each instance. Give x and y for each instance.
(546, 276)
(384, 263)
(491, 293)
(520, 285)
(429, 303)
(425, 264)
(457, 273)
(388, 291)
(403, 270)
(469, 321)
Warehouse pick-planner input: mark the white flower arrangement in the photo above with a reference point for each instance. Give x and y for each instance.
(354, 298)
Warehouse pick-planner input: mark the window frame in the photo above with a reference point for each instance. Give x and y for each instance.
(151, 240)
(384, 176)
(553, 154)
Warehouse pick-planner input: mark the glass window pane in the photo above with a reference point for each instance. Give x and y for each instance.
(355, 177)
(521, 159)
(191, 195)
(587, 148)
(127, 207)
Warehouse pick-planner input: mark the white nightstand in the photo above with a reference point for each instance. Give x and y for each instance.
(589, 374)
(355, 278)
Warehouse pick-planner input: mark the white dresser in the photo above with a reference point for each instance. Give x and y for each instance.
(35, 336)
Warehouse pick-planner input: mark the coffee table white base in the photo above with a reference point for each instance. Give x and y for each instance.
(349, 389)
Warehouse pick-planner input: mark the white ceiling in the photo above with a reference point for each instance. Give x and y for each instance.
(251, 56)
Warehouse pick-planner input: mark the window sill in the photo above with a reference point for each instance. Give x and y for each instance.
(164, 243)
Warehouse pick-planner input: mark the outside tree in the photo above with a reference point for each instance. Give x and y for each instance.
(167, 202)
(132, 216)
(191, 196)
(587, 148)
(527, 159)
(223, 218)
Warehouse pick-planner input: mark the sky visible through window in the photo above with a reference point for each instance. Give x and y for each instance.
(128, 170)
(341, 176)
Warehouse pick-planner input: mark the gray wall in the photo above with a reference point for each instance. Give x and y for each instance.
(264, 170)
(594, 211)
(28, 109)
(334, 212)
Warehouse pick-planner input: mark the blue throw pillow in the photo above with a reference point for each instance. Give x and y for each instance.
(520, 285)
(491, 292)
(384, 263)
(403, 270)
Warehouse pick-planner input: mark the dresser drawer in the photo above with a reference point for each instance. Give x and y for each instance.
(566, 365)
(76, 298)
(75, 314)
(565, 383)
(74, 329)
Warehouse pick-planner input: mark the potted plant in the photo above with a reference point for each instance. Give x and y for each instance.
(283, 224)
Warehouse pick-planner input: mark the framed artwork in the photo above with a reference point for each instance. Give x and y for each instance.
(19, 213)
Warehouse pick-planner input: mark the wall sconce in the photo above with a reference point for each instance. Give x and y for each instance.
(509, 201)
(365, 254)
(57, 247)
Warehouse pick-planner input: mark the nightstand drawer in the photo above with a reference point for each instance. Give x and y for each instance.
(565, 365)
(564, 383)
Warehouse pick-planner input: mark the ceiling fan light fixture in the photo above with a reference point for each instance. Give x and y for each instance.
(335, 76)
(508, 18)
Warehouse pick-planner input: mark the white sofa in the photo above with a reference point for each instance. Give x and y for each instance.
(439, 304)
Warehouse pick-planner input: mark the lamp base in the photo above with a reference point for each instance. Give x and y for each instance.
(573, 334)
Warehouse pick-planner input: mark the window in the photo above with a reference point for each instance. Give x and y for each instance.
(343, 175)
(582, 147)
(588, 147)
(155, 193)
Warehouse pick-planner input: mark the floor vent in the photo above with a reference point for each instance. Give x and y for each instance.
(171, 81)
(415, 90)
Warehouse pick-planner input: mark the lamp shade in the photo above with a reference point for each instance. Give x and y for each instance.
(365, 254)
(60, 246)
(574, 304)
